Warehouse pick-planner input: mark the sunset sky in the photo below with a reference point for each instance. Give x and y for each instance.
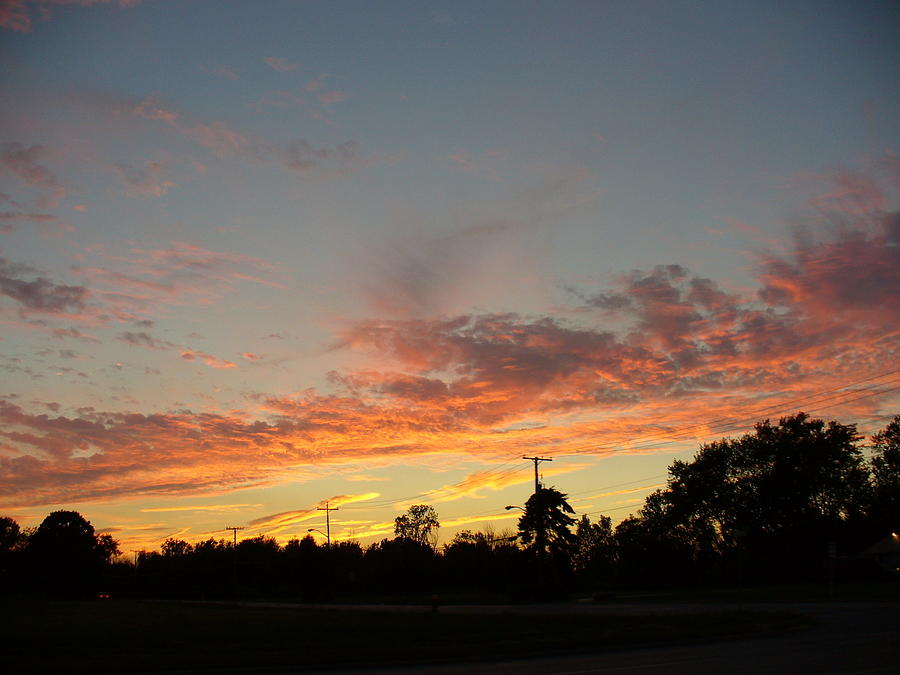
(259, 255)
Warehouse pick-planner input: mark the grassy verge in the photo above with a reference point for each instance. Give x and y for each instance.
(124, 636)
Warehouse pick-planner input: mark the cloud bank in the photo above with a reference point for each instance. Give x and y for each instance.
(485, 386)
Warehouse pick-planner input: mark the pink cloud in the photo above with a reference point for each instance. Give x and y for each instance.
(299, 155)
(208, 359)
(182, 273)
(280, 64)
(26, 163)
(149, 179)
(331, 97)
(16, 14)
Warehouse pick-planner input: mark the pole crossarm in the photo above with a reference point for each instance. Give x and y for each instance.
(537, 460)
(235, 530)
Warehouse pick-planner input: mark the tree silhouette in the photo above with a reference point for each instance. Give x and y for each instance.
(66, 555)
(546, 521)
(176, 548)
(594, 554)
(886, 477)
(10, 538)
(783, 491)
(10, 534)
(419, 523)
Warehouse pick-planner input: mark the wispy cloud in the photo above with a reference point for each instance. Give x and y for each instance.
(278, 522)
(27, 163)
(299, 155)
(208, 359)
(36, 293)
(486, 165)
(492, 479)
(219, 508)
(16, 15)
(282, 65)
(149, 179)
(181, 273)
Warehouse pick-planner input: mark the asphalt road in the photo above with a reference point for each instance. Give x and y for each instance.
(847, 638)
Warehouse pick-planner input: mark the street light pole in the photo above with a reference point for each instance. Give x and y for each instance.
(312, 529)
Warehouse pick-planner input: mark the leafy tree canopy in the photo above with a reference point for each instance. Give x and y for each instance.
(10, 534)
(796, 476)
(419, 523)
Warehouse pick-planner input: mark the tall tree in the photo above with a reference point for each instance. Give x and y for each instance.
(594, 555)
(886, 476)
(784, 491)
(547, 522)
(66, 553)
(419, 523)
(10, 534)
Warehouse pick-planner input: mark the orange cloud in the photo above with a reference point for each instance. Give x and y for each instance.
(663, 360)
(208, 359)
(491, 479)
(280, 521)
(201, 507)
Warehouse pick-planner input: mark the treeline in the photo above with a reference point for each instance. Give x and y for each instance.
(791, 502)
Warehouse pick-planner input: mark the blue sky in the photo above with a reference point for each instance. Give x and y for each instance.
(259, 255)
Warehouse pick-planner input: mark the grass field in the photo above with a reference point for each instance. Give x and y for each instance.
(114, 636)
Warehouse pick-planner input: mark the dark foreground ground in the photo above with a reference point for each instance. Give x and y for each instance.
(120, 636)
(845, 638)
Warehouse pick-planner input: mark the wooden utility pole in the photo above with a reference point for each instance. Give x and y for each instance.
(541, 535)
(536, 460)
(327, 511)
(234, 576)
(235, 530)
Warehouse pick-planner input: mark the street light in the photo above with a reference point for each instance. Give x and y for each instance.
(327, 538)
(514, 507)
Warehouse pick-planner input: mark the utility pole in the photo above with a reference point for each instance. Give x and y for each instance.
(327, 511)
(235, 530)
(536, 460)
(541, 535)
(234, 558)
